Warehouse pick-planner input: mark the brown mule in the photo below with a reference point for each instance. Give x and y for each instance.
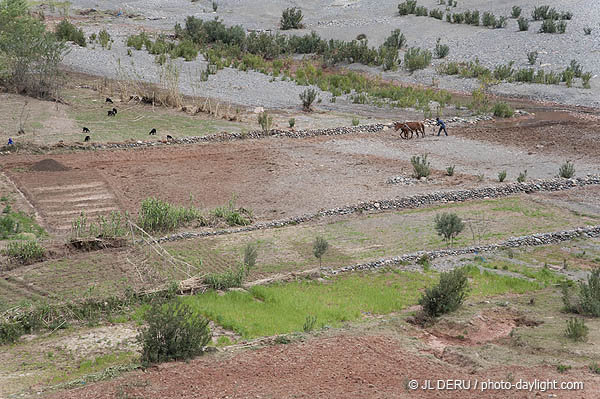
(406, 133)
(418, 127)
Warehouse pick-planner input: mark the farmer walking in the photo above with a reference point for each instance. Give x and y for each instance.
(442, 126)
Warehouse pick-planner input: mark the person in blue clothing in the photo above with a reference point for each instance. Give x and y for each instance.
(442, 126)
(10, 141)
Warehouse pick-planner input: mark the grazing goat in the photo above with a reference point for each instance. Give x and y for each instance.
(87, 138)
(86, 130)
(152, 132)
(108, 100)
(169, 137)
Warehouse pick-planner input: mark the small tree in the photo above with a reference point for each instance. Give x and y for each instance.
(441, 50)
(447, 295)
(265, 121)
(308, 96)
(291, 18)
(319, 248)
(174, 332)
(448, 226)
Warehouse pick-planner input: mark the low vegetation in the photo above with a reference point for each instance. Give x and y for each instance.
(522, 176)
(265, 121)
(308, 96)
(320, 246)
(416, 58)
(566, 170)
(66, 31)
(503, 110)
(585, 298)
(576, 329)
(441, 50)
(17, 225)
(420, 166)
(106, 228)
(234, 277)
(160, 216)
(291, 18)
(447, 295)
(24, 252)
(502, 176)
(173, 332)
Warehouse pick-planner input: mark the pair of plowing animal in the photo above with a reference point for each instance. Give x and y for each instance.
(408, 128)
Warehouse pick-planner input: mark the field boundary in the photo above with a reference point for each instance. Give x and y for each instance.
(411, 202)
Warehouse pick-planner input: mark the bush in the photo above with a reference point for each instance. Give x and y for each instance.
(587, 30)
(104, 38)
(516, 12)
(500, 22)
(233, 216)
(110, 227)
(309, 323)
(503, 72)
(420, 166)
(587, 301)
(567, 77)
(308, 96)
(488, 19)
(408, 7)
(523, 24)
(502, 176)
(576, 68)
(66, 31)
(355, 121)
(174, 332)
(25, 252)
(472, 18)
(416, 58)
(594, 368)
(541, 12)
(29, 55)
(503, 110)
(265, 121)
(320, 246)
(524, 75)
(585, 79)
(291, 18)
(292, 123)
(230, 278)
(458, 18)
(450, 170)
(437, 14)
(441, 50)
(532, 57)
(421, 11)
(549, 26)
(576, 329)
(448, 226)
(522, 176)
(395, 40)
(447, 295)
(566, 170)
(159, 216)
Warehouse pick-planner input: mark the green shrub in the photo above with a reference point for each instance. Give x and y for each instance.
(420, 166)
(561, 368)
(450, 170)
(232, 215)
(488, 19)
(416, 58)
(355, 121)
(576, 68)
(421, 11)
(174, 332)
(540, 12)
(515, 12)
(291, 18)
(501, 176)
(587, 301)
(390, 55)
(549, 26)
(566, 170)
(396, 40)
(25, 252)
(110, 227)
(594, 368)
(458, 18)
(567, 77)
(265, 121)
(320, 246)
(576, 329)
(500, 22)
(532, 57)
(441, 50)
(585, 79)
(66, 31)
(524, 75)
(447, 295)
(230, 278)
(292, 123)
(159, 216)
(408, 7)
(523, 24)
(503, 110)
(522, 176)
(472, 17)
(308, 96)
(448, 226)
(437, 14)
(104, 38)
(503, 72)
(138, 41)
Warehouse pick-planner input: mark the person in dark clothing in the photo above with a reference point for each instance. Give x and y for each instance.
(442, 126)
(10, 141)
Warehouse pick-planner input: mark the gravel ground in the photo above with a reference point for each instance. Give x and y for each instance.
(344, 20)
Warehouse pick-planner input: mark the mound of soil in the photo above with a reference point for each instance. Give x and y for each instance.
(49, 165)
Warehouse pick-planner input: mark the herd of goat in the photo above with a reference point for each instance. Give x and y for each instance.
(113, 112)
